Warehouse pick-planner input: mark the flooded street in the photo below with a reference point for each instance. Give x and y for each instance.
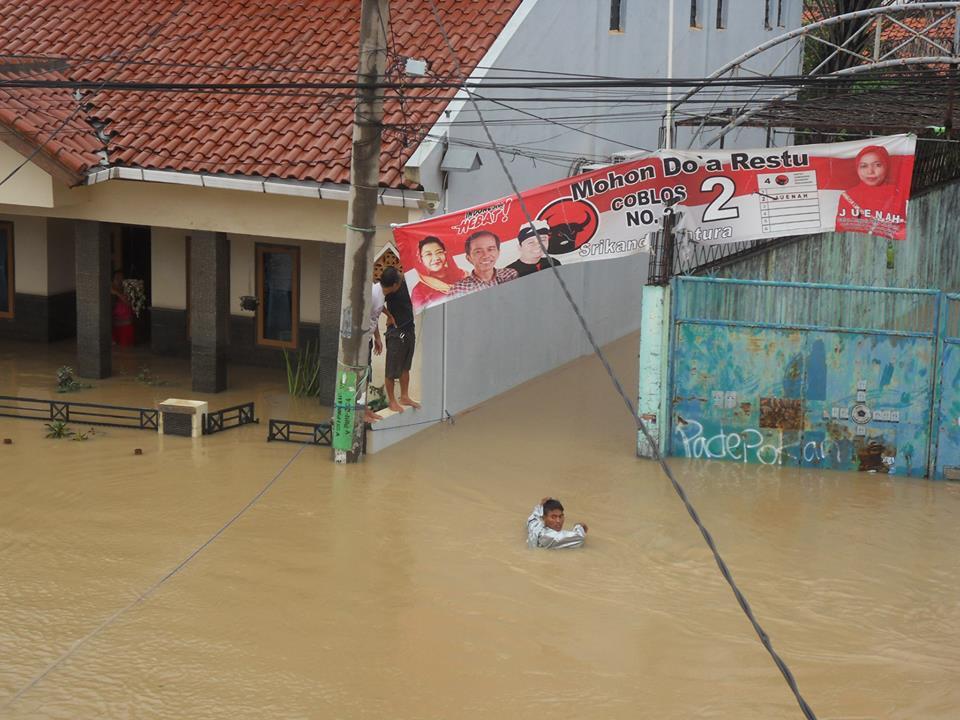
(402, 587)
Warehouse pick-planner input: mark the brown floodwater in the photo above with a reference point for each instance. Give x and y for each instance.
(402, 588)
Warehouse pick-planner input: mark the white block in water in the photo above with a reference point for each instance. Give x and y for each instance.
(182, 417)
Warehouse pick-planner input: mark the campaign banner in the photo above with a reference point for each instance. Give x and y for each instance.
(717, 196)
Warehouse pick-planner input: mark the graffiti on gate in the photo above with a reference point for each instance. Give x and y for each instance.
(767, 448)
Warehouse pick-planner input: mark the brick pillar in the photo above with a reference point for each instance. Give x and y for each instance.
(92, 244)
(209, 310)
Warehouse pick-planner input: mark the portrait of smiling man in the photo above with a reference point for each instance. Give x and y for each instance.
(482, 250)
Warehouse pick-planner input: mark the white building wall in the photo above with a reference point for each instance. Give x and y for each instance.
(168, 250)
(30, 253)
(482, 345)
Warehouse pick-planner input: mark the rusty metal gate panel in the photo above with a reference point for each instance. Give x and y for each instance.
(946, 418)
(801, 374)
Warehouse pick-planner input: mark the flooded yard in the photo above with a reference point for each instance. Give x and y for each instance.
(402, 587)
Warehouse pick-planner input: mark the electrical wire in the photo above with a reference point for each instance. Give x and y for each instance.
(150, 36)
(141, 597)
(741, 599)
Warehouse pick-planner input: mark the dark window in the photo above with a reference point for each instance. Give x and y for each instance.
(721, 14)
(278, 287)
(780, 18)
(695, 13)
(6, 270)
(766, 15)
(616, 15)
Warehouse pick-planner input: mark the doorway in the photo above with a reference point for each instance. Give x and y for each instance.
(131, 253)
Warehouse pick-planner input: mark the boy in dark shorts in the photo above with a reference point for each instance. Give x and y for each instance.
(401, 339)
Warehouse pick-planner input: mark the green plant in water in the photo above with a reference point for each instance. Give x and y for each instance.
(303, 373)
(58, 430)
(66, 382)
(376, 398)
(80, 436)
(147, 377)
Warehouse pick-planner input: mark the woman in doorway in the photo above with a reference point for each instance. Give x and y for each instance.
(123, 329)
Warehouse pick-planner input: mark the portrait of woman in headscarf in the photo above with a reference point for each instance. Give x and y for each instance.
(437, 273)
(875, 205)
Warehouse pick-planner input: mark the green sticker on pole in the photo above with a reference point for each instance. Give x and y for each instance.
(345, 410)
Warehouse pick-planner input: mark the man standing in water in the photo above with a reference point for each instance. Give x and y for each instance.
(401, 339)
(545, 527)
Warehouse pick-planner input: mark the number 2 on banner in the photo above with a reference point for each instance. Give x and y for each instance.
(717, 209)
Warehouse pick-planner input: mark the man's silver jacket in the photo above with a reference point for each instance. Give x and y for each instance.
(540, 536)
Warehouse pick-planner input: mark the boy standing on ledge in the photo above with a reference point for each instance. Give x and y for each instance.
(545, 527)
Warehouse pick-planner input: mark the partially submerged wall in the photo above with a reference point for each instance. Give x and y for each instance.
(929, 258)
(479, 346)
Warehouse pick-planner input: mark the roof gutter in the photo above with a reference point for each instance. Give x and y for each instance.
(270, 186)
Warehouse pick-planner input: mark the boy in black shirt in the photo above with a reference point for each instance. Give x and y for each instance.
(401, 339)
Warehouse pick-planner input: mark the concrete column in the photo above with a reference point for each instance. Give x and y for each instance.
(653, 402)
(209, 310)
(92, 247)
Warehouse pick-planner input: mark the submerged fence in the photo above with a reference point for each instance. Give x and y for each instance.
(228, 418)
(133, 418)
(300, 432)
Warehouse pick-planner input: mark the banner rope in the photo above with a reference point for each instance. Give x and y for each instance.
(708, 538)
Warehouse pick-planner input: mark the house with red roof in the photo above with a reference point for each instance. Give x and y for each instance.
(204, 148)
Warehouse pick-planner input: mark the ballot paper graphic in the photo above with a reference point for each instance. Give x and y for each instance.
(789, 202)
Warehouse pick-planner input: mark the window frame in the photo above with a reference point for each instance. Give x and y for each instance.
(260, 249)
(7, 226)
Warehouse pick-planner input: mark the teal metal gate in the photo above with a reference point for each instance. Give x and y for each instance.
(946, 465)
(781, 373)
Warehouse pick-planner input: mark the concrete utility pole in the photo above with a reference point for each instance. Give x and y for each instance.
(361, 227)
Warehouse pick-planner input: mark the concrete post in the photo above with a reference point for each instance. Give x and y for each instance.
(653, 402)
(209, 310)
(356, 298)
(92, 246)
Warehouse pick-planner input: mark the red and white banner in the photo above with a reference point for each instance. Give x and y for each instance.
(715, 196)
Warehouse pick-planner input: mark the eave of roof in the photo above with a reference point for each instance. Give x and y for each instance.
(399, 197)
(284, 135)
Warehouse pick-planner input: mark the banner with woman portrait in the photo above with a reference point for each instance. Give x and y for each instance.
(717, 196)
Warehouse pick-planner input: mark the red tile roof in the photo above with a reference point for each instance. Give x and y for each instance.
(301, 135)
(893, 33)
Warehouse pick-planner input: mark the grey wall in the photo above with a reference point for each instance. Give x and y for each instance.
(484, 344)
(573, 36)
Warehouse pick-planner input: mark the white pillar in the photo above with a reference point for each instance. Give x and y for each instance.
(653, 402)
